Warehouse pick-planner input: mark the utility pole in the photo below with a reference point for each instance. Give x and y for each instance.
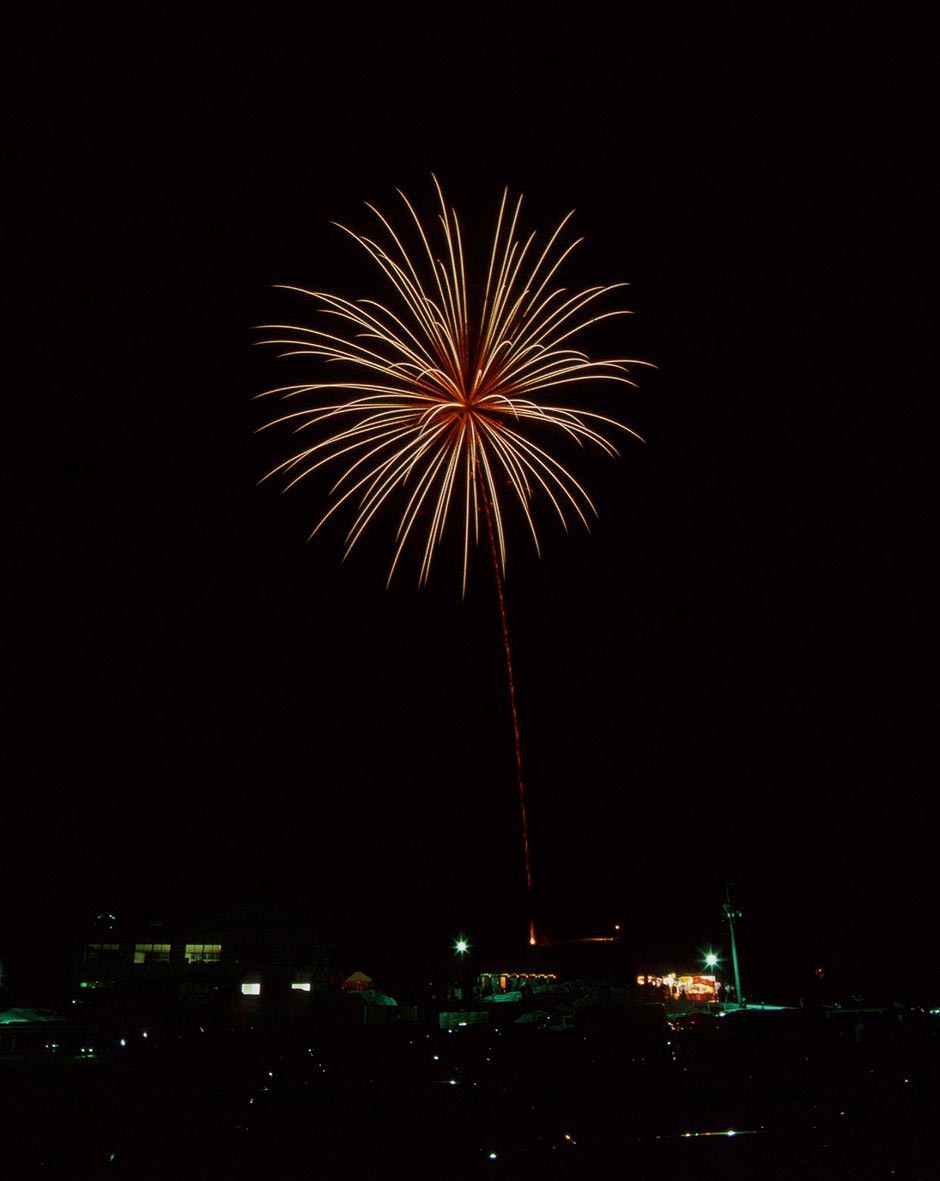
(731, 914)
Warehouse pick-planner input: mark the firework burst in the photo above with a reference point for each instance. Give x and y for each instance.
(441, 402)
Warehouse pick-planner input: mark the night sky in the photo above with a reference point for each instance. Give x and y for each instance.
(728, 675)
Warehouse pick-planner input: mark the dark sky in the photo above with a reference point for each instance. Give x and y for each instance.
(727, 675)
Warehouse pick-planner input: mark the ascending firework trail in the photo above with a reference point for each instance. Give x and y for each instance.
(515, 716)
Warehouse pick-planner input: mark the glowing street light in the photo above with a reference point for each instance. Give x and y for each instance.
(711, 960)
(461, 947)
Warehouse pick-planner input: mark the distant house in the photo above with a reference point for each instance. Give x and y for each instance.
(357, 982)
(253, 955)
(508, 983)
(691, 986)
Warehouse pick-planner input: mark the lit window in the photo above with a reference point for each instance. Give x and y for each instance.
(101, 951)
(251, 990)
(151, 953)
(203, 953)
(301, 986)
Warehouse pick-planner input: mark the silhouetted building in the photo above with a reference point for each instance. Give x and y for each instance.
(248, 959)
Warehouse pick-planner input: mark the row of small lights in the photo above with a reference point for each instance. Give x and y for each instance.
(249, 988)
(90, 1051)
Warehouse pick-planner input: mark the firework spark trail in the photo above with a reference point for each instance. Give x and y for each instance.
(515, 715)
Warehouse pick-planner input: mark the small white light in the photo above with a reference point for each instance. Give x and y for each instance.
(492, 1156)
(122, 1042)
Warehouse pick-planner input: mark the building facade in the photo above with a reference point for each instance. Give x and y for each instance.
(248, 959)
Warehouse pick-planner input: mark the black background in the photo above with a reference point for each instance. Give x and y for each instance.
(728, 675)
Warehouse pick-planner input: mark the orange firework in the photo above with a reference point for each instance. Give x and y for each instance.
(441, 405)
(442, 399)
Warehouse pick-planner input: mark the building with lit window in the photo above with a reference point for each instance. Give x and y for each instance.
(677, 986)
(254, 951)
(504, 983)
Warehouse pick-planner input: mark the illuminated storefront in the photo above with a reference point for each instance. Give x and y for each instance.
(691, 986)
(500, 982)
